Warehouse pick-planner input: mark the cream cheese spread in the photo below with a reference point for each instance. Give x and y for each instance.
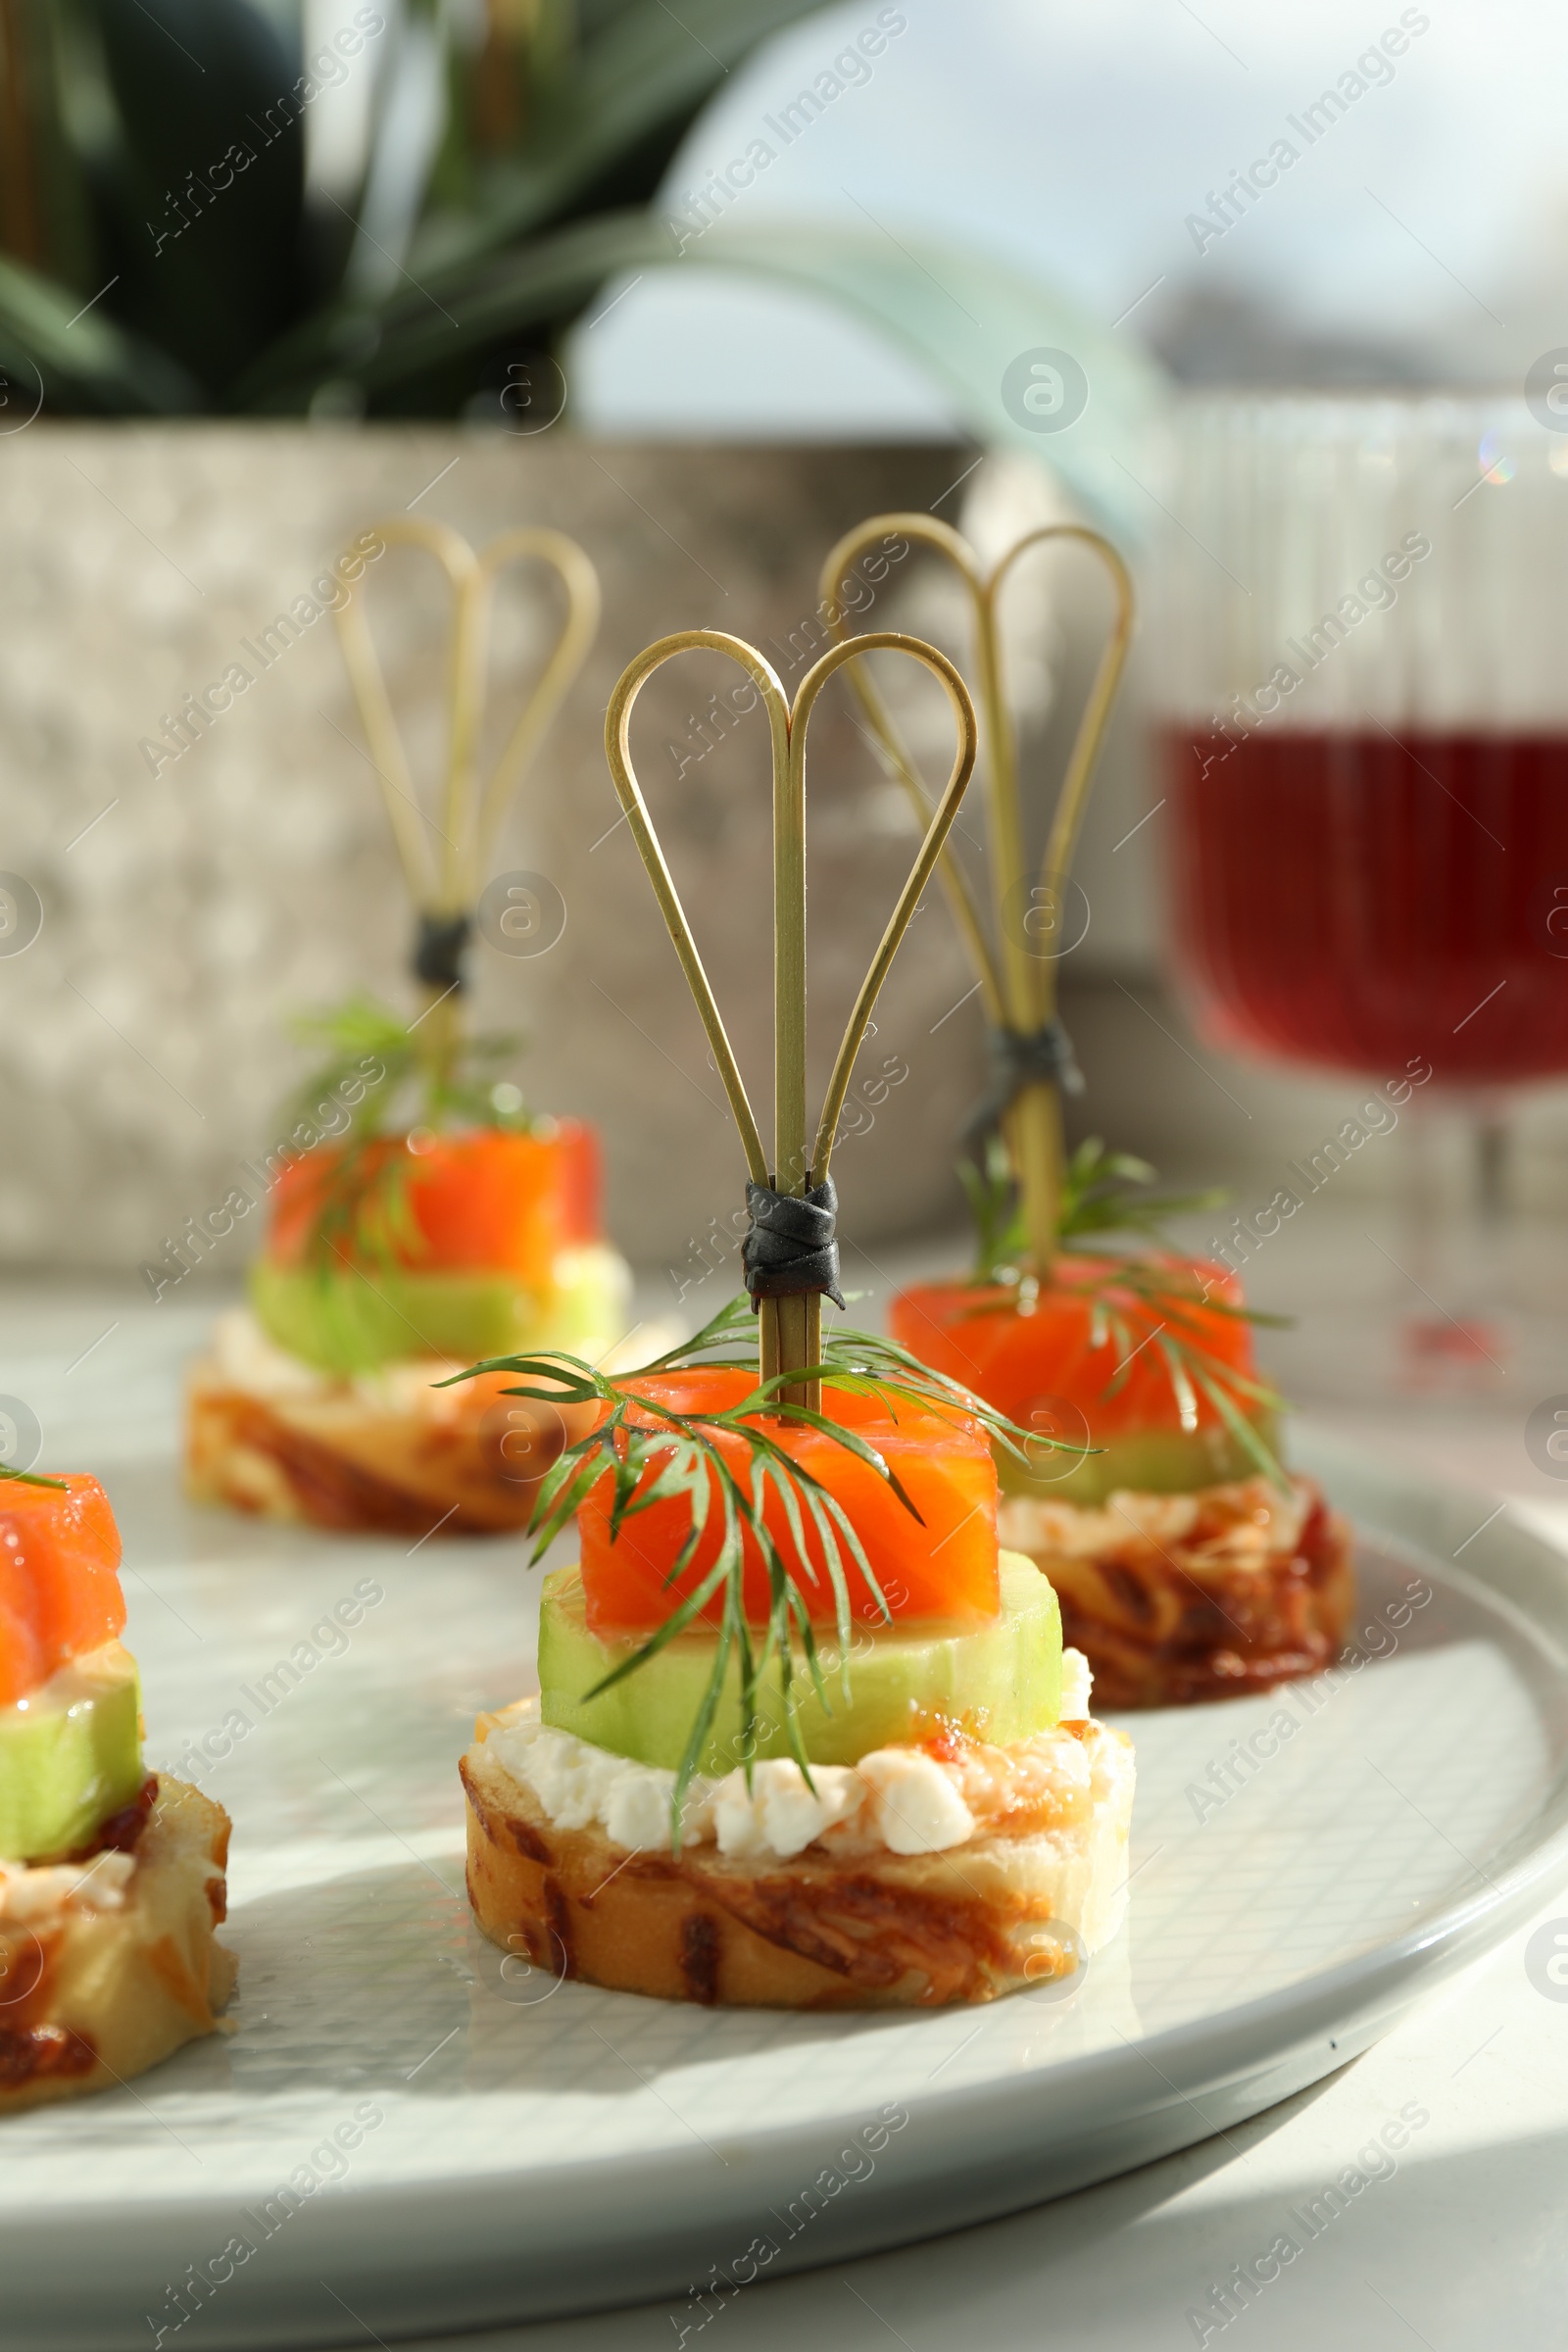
(32, 1893)
(1245, 1524)
(903, 1800)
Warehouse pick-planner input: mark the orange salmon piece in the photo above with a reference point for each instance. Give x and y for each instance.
(60, 1590)
(941, 1564)
(481, 1202)
(977, 1335)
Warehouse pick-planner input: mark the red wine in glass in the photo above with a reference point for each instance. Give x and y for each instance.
(1352, 900)
(1364, 708)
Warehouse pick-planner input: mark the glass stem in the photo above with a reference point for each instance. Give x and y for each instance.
(1420, 1197)
(1494, 1167)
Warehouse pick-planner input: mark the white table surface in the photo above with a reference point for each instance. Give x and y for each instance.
(1462, 2246)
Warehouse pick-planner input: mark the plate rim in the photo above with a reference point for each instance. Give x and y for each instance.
(1312, 2025)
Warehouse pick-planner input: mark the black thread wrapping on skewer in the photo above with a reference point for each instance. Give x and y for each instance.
(440, 944)
(1019, 1058)
(792, 1249)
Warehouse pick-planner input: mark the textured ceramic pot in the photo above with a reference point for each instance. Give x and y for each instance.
(195, 894)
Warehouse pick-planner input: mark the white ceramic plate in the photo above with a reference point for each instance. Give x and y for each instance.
(538, 2149)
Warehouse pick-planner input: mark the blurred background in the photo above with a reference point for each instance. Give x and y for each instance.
(704, 287)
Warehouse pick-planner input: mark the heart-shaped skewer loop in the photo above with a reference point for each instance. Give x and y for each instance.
(445, 886)
(1017, 981)
(791, 1323)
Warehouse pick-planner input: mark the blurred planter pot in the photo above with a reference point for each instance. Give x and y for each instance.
(201, 881)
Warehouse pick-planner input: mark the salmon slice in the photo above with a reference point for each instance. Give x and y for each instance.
(58, 1583)
(942, 1563)
(483, 1201)
(980, 1335)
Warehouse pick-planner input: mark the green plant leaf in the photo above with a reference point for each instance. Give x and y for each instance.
(47, 207)
(516, 238)
(613, 122)
(962, 317)
(78, 362)
(199, 179)
(148, 100)
(1103, 1192)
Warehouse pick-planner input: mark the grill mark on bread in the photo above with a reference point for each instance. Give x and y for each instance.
(699, 1957)
(876, 1935)
(868, 1935)
(1316, 1552)
(1131, 1590)
(91, 1997)
(557, 1919)
(528, 1842)
(330, 1490)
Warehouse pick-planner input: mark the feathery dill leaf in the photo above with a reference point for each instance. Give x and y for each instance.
(1103, 1198)
(1102, 1193)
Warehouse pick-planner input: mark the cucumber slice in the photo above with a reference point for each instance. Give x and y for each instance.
(1000, 1681)
(1156, 1461)
(69, 1755)
(347, 1323)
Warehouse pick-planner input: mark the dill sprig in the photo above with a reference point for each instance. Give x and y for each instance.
(363, 1216)
(1102, 1193)
(1102, 1197)
(1171, 1292)
(638, 1440)
(364, 1223)
(33, 1478)
(417, 1091)
(1169, 1296)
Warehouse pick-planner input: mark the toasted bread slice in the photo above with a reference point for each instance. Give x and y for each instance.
(109, 1964)
(334, 1457)
(1178, 1598)
(819, 1930)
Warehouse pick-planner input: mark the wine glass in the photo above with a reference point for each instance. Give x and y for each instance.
(1364, 702)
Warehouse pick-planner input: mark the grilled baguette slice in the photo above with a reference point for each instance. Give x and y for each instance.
(1175, 1599)
(338, 1459)
(91, 1995)
(817, 1932)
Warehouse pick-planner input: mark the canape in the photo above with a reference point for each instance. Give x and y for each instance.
(918, 1810)
(805, 1736)
(111, 1877)
(389, 1264)
(1189, 1563)
(420, 1216)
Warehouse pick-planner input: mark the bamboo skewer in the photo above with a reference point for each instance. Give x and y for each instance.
(617, 747)
(1018, 988)
(447, 885)
(570, 650)
(790, 1334)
